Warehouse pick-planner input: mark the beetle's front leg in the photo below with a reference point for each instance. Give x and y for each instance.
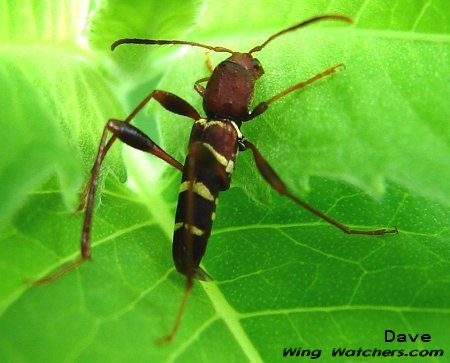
(261, 107)
(208, 63)
(199, 88)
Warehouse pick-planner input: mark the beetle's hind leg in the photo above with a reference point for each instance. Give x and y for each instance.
(169, 101)
(135, 138)
(275, 182)
(131, 136)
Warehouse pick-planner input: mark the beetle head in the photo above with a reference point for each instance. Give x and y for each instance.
(247, 61)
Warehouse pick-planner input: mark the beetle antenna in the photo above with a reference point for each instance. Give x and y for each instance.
(302, 24)
(165, 42)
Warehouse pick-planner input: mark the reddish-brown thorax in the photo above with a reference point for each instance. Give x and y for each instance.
(229, 91)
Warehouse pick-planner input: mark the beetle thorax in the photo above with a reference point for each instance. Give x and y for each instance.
(229, 91)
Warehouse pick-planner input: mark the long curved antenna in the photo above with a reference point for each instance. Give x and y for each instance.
(302, 24)
(166, 42)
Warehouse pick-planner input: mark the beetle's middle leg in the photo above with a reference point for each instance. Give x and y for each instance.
(169, 101)
(261, 107)
(276, 183)
(135, 138)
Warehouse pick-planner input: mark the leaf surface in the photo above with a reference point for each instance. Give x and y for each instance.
(379, 128)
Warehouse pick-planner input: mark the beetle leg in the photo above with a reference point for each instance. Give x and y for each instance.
(261, 107)
(85, 237)
(135, 138)
(208, 62)
(276, 183)
(169, 101)
(200, 162)
(189, 253)
(187, 290)
(199, 88)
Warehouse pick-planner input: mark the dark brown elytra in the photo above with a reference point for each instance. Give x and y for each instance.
(214, 144)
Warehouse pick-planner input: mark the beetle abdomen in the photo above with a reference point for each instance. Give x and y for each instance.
(213, 148)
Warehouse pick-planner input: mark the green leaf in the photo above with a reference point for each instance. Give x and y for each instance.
(115, 20)
(54, 104)
(282, 277)
(388, 106)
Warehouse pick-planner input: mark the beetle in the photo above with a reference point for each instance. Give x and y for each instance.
(214, 144)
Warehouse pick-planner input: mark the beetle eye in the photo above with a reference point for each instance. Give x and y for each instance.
(256, 63)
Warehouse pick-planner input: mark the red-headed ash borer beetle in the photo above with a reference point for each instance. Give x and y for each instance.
(213, 148)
